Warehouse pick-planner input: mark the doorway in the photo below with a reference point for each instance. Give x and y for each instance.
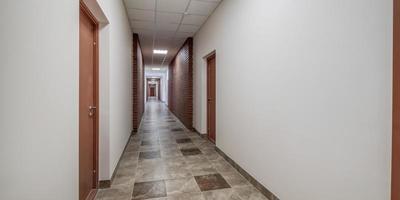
(88, 104)
(211, 97)
(152, 91)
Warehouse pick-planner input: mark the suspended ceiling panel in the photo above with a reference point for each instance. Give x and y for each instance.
(165, 24)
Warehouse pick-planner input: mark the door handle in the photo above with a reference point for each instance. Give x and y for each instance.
(92, 111)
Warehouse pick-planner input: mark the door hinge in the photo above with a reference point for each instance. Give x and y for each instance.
(94, 171)
(94, 43)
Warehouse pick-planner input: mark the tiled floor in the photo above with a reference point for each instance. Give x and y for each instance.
(165, 161)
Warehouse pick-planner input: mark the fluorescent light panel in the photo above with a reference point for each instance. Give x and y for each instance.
(156, 69)
(159, 51)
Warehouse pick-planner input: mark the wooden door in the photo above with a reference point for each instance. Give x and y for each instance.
(159, 89)
(148, 90)
(211, 95)
(152, 91)
(87, 104)
(396, 104)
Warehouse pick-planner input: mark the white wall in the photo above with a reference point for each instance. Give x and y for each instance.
(39, 73)
(303, 94)
(104, 101)
(119, 87)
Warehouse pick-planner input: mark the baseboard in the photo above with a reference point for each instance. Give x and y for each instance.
(135, 130)
(104, 184)
(107, 183)
(198, 133)
(267, 193)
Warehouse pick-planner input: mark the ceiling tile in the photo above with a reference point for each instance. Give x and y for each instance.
(158, 59)
(147, 25)
(178, 43)
(161, 32)
(147, 54)
(161, 47)
(177, 6)
(163, 42)
(140, 4)
(143, 15)
(143, 32)
(165, 34)
(167, 27)
(145, 49)
(188, 28)
(169, 17)
(146, 41)
(211, 0)
(201, 7)
(180, 35)
(194, 19)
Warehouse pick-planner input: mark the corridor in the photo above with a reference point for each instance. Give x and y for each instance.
(164, 160)
(200, 99)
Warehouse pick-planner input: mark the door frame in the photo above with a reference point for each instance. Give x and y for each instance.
(85, 9)
(208, 56)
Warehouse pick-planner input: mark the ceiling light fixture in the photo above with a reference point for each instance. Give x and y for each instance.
(156, 69)
(158, 51)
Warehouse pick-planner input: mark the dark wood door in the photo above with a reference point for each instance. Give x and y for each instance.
(396, 105)
(159, 90)
(211, 95)
(87, 104)
(152, 91)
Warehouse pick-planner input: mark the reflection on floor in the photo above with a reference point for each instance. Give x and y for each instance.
(166, 161)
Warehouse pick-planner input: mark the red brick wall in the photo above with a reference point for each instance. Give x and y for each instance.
(138, 83)
(180, 85)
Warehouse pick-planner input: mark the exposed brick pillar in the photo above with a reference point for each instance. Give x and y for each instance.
(181, 84)
(137, 83)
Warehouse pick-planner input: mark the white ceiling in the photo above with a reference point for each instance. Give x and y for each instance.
(165, 24)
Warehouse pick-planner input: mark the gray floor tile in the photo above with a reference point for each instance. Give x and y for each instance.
(184, 185)
(211, 182)
(223, 194)
(147, 190)
(164, 160)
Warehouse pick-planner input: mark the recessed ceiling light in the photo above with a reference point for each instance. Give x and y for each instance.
(158, 51)
(156, 69)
